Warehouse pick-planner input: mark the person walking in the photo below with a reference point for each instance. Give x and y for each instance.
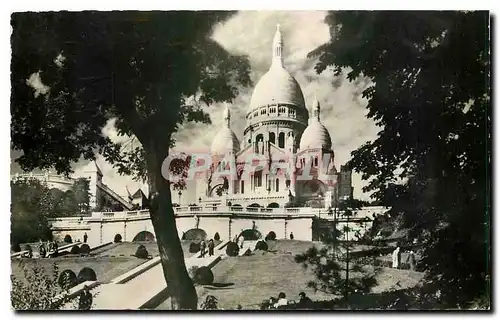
(411, 260)
(396, 258)
(203, 246)
(85, 237)
(85, 302)
(241, 240)
(211, 246)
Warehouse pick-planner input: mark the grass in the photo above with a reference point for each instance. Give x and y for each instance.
(105, 268)
(108, 262)
(249, 280)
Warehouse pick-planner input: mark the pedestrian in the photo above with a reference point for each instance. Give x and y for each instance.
(304, 301)
(396, 258)
(291, 236)
(241, 240)
(203, 246)
(282, 301)
(411, 260)
(211, 246)
(85, 302)
(85, 237)
(41, 250)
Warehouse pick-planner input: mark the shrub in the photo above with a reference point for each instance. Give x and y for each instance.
(210, 303)
(216, 236)
(203, 276)
(142, 252)
(232, 249)
(67, 239)
(75, 249)
(85, 249)
(118, 238)
(67, 279)
(194, 247)
(271, 236)
(86, 274)
(261, 245)
(36, 288)
(192, 271)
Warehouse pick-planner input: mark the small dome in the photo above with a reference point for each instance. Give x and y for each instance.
(225, 141)
(277, 86)
(316, 135)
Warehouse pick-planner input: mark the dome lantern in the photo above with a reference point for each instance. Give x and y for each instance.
(278, 48)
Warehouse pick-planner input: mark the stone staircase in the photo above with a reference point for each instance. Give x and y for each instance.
(140, 290)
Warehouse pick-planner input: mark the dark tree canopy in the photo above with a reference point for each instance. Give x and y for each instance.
(140, 67)
(430, 95)
(150, 72)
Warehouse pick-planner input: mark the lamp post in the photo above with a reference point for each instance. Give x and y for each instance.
(180, 194)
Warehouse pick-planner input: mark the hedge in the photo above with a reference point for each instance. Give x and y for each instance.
(204, 276)
(232, 249)
(67, 279)
(142, 252)
(118, 238)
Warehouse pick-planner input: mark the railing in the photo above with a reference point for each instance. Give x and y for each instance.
(364, 213)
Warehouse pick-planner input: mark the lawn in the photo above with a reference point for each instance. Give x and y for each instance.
(106, 268)
(248, 280)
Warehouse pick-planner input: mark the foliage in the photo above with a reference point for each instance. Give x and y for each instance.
(336, 272)
(147, 73)
(194, 247)
(426, 76)
(118, 238)
(37, 290)
(203, 275)
(67, 279)
(31, 206)
(261, 245)
(232, 249)
(142, 252)
(210, 303)
(87, 274)
(68, 239)
(216, 236)
(271, 236)
(84, 249)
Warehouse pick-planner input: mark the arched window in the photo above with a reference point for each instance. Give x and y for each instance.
(281, 140)
(316, 161)
(242, 186)
(277, 185)
(272, 137)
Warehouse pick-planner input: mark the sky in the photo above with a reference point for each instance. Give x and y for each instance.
(343, 110)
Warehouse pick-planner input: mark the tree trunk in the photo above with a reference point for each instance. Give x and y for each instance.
(180, 286)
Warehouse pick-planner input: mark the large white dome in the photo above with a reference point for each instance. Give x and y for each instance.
(277, 86)
(225, 141)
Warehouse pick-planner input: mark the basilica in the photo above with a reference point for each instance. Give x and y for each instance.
(288, 135)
